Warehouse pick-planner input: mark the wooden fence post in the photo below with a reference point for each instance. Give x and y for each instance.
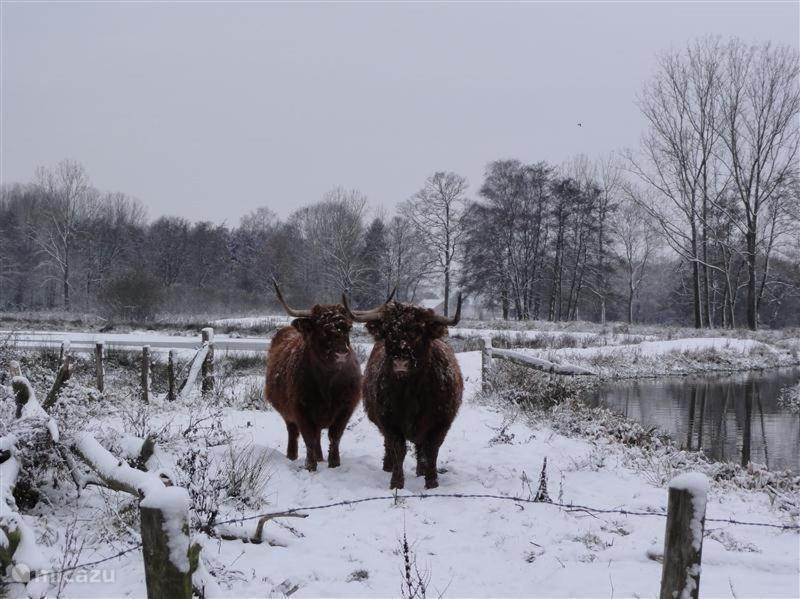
(171, 375)
(64, 350)
(683, 539)
(169, 560)
(14, 369)
(146, 373)
(486, 362)
(207, 335)
(98, 365)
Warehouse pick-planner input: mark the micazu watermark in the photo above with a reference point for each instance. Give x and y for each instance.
(23, 574)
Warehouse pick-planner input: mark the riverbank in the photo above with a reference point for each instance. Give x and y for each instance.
(672, 357)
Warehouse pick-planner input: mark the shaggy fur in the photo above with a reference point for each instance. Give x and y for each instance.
(412, 388)
(314, 380)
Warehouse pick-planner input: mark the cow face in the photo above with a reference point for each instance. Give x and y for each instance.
(407, 332)
(326, 330)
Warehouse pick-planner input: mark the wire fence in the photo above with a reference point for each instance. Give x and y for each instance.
(396, 497)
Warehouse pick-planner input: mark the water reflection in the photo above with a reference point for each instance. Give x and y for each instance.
(730, 418)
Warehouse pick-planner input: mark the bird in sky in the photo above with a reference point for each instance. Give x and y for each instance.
(580, 124)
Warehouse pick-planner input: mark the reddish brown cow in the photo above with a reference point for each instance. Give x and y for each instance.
(313, 378)
(412, 386)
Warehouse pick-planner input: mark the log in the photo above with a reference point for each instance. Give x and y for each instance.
(539, 364)
(22, 393)
(62, 376)
(683, 538)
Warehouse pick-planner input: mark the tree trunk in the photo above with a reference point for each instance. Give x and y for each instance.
(66, 286)
(752, 315)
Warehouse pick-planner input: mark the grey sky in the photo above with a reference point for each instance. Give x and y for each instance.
(210, 110)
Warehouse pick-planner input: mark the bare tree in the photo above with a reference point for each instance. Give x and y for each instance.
(680, 154)
(636, 240)
(761, 104)
(68, 203)
(437, 211)
(333, 233)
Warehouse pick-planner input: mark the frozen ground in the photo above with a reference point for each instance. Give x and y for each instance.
(468, 547)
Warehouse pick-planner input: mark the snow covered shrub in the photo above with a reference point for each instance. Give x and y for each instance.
(532, 389)
(206, 482)
(248, 471)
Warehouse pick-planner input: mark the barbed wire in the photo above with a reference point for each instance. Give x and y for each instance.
(421, 496)
(512, 498)
(40, 573)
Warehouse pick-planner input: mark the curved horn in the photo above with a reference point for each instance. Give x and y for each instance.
(391, 295)
(289, 311)
(450, 322)
(366, 316)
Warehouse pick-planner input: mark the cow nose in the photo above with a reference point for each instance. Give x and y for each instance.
(341, 356)
(400, 365)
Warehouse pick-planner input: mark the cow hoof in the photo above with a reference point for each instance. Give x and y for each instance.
(311, 466)
(291, 456)
(334, 463)
(431, 484)
(420, 471)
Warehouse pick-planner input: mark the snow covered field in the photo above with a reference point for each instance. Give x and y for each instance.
(467, 547)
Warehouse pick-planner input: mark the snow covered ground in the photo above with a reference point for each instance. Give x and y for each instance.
(675, 356)
(467, 547)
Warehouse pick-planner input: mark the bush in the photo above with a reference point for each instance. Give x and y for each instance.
(132, 296)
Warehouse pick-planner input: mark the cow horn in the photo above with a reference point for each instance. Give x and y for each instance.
(289, 311)
(450, 322)
(391, 295)
(365, 316)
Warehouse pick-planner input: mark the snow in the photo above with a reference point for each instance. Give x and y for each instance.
(696, 484)
(111, 468)
(675, 356)
(472, 547)
(173, 502)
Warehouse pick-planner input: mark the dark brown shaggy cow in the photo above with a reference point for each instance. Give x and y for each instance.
(313, 378)
(412, 386)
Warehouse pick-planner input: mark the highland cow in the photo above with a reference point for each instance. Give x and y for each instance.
(313, 378)
(412, 385)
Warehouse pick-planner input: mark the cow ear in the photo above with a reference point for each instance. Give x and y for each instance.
(304, 325)
(435, 330)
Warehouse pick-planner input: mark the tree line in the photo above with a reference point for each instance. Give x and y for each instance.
(700, 225)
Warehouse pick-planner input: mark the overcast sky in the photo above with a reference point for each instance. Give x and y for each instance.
(210, 110)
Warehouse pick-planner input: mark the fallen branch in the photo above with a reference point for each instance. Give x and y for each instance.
(540, 364)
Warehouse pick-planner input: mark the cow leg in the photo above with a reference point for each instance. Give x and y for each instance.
(318, 445)
(388, 456)
(311, 439)
(291, 447)
(431, 450)
(335, 433)
(420, 453)
(397, 447)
